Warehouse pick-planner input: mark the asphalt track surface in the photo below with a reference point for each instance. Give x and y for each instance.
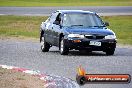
(46, 11)
(27, 54)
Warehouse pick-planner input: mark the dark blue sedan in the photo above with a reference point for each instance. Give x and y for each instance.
(77, 29)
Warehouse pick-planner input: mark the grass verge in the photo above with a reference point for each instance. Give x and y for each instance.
(122, 26)
(13, 79)
(28, 26)
(65, 3)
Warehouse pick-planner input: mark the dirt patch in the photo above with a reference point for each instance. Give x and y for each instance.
(19, 38)
(14, 79)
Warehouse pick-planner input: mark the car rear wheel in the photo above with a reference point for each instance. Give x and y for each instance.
(110, 52)
(44, 45)
(63, 49)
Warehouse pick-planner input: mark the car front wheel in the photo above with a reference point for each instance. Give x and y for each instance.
(44, 45)
(63, 49)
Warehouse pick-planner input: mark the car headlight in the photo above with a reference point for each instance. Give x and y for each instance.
(75, 36)
(110, 37)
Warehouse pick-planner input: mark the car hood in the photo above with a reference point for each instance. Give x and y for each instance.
(101, 31)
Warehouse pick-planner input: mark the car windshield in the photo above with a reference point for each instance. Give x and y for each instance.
(82, 20)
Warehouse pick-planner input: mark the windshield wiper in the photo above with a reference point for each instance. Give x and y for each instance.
(99, 26)
(76, 25)
(96, 26)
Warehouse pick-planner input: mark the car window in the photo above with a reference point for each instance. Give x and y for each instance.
(85, 20)
(53, 17)
(58, 18)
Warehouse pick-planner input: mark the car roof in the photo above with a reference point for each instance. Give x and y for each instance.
(74, 11)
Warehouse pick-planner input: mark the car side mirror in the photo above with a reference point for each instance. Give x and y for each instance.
(106, 23)
(56, 22)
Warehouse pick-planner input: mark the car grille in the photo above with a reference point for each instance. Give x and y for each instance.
(94, 37)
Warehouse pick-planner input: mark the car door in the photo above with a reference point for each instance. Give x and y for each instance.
(56, 28)
(49, 28)
(46, 30)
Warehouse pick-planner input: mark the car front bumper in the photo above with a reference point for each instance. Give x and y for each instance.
(84, 44)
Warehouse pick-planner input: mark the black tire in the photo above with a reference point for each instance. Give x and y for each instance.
(110, 52)
(81, 80)
(44, 45)
(63, 49)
